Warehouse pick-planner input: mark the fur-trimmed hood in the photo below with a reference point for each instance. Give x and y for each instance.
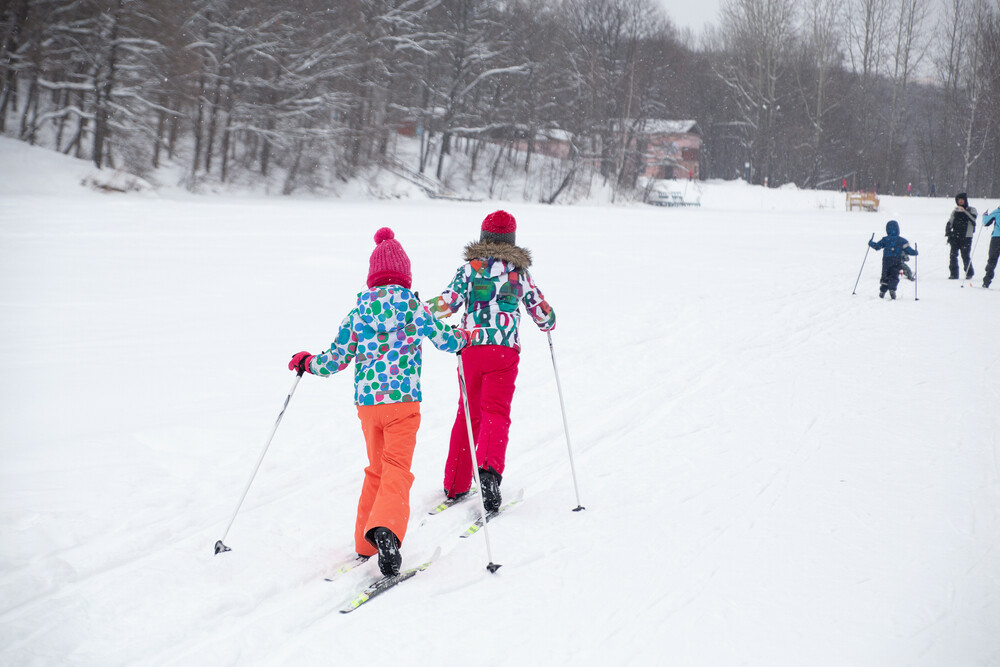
(518, 256)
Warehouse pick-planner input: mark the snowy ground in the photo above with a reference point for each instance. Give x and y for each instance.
(775, 472)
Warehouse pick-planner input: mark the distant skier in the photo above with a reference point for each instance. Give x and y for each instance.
(382, 335)
(893, 246)
(959, 231)
(991, 264)
(490, 287)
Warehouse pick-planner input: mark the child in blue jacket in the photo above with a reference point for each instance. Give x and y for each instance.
(893, 246)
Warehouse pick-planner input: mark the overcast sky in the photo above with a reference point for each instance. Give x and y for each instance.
(692, 14)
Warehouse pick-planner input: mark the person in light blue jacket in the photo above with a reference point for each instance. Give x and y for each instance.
(991, 263)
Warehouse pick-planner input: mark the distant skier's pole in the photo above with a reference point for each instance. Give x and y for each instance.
(972, 253)
(862, 266)
(562, 407)
(916, 274)
(219, 546)
(492, 567)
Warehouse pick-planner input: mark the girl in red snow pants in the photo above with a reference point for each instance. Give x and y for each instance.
(490, 371)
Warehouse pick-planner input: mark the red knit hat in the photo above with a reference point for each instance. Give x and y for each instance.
(498, 226)
(388, 264)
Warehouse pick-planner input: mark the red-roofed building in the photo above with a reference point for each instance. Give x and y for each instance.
(669, 148)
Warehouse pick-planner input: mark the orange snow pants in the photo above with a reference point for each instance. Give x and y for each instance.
(390, 436)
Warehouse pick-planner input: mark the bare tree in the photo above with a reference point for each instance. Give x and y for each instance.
(908, 49)
(307, 94)
(822, 55)
(867, 31)
(13, 16)
(759, 34)
(975, 78)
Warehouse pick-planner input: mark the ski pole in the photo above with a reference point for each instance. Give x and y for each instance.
(972, 253)
(492, 567)
(862, 266)
(916, 274)
(562, 407)
(220, 546)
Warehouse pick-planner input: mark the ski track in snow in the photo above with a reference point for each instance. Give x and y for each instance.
(775, 471)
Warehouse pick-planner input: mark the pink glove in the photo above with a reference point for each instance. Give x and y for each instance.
(300, 362)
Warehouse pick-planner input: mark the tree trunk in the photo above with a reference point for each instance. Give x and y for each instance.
(225, 147)
(445, 150)
(105, 89)
(161, 123)
(198, 122)
(289, 186)
(213, 116)
(8, 93)
(562, 186)
(27, 132)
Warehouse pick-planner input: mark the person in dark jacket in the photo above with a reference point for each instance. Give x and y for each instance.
(893, 246)
(959, 231)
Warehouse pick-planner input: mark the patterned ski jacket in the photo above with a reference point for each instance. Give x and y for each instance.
(382, 335)
(894, 245)
(491, 286)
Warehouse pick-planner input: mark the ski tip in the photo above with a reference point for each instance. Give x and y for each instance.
(493, 567)
(220, 548)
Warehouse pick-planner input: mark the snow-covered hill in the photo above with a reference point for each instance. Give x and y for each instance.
(775, 472)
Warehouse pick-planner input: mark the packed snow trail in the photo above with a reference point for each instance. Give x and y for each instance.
(775, 471)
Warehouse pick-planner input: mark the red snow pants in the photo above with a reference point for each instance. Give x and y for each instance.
(490, 371)
(390, 436)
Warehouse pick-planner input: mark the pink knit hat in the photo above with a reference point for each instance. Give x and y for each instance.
(388, 264)
(498, 226)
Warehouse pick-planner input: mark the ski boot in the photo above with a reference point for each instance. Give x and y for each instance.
(389, 558)
(892, 294)
(491, 489)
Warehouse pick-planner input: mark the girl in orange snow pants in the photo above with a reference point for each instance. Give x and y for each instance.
(390, 436)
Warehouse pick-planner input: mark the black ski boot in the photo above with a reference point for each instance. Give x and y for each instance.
(389, 558)
(491, 489)
(892, 293)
